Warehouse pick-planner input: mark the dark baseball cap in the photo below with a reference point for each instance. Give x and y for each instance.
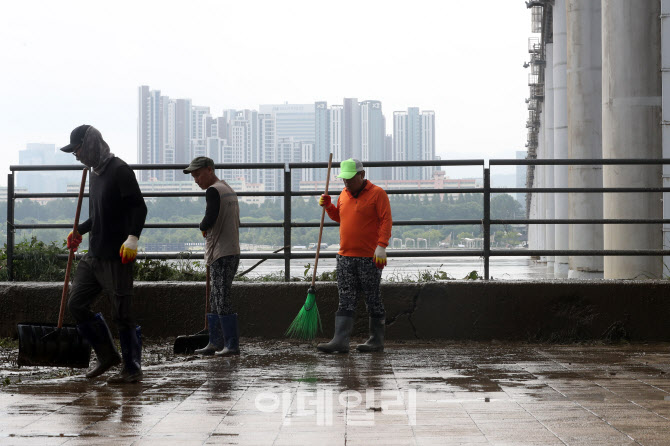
(198, 163)
(76, 138)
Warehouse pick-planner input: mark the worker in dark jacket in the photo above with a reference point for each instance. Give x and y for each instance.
(117, 214)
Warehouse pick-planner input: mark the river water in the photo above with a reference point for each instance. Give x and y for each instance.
(500, 268)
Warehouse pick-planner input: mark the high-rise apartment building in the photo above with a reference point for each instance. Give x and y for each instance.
(150, 130)
(292, 120)
(183, 128)
(427, 143)
(321, 138)
(373, 133)
(198, 113)
(267, 143)
(336, 134)
(351, 129)
(45, 181)
(413, 140)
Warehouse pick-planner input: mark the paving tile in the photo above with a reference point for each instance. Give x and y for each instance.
(442, 393)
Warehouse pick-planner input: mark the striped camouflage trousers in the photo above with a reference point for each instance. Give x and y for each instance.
(356, 274)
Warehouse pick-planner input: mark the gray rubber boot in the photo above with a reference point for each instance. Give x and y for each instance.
(376, 341)
(340, 342)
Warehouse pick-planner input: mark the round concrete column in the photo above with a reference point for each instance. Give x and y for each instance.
(549, 150)
(558, 66)
(540, 181)
(585, 131)
(632, 129)
(665, 75)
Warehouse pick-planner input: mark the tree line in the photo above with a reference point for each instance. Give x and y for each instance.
(191, 210)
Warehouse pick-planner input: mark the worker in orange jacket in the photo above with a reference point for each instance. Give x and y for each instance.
(364, 214)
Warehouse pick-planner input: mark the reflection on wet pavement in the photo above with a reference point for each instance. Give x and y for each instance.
(280, 392)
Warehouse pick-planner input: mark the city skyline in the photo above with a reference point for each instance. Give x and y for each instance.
(176, 130)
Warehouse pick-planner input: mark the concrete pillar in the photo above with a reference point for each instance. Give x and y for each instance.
(549, 150)
(559, 67)
(585, 131)
(540, 182)
(532, 229)
(665, 76)
(631, 40)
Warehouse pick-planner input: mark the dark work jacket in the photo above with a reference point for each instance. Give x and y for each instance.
(116, 209)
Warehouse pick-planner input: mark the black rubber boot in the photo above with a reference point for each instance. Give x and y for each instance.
(131, 349)
(231, 335)
(376, 341)
(98, 335)
(215, 336)
(344, 324)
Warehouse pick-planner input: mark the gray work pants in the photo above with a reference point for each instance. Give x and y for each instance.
(95, 275)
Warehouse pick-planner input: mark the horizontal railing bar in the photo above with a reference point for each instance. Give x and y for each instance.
(399, 223)
(495, 190)
(405, 253)
(580, 221)
(154, 225)
(451, 190)
(294, 255)
(317, 165)
(259, 166)
(578, 252)
(260, 193)
(576, 162)
(151, 194)
(262, 225)
(238, 166)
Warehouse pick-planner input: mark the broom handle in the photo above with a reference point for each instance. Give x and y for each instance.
(70, 257)
(207, 291)
(323, 214)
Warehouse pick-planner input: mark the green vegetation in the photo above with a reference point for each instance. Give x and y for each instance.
(39, 262)
(188, 210)
(40, 247)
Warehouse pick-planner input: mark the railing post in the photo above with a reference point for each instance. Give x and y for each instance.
(487, 221)
(287, 223)
(10, 227)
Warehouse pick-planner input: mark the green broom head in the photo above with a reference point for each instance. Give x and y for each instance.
(307, 321)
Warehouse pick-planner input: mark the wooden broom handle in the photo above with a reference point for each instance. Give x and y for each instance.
(323, 214)
(70, 258)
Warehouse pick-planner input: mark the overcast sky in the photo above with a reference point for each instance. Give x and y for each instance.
(66, 63)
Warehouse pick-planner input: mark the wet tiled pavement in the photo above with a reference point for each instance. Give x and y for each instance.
(280, 393)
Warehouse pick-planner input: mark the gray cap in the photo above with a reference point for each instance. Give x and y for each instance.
(198, 163)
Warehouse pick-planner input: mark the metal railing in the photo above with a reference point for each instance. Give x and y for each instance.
(485, 222)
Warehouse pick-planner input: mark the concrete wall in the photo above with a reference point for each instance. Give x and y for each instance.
(461, 310)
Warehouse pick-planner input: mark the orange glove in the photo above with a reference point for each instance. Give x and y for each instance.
(380, 257)
(128, 250)
(325, 201)
(73, 241)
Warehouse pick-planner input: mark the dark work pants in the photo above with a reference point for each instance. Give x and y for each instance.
(356, 274)
(95, 275)
(223, 272)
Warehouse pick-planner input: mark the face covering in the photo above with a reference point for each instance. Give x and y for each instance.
(94, 151)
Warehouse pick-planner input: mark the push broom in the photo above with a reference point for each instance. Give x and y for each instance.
(307, 321)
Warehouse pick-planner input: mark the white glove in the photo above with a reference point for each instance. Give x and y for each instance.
(128, 250)
(380, 257)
